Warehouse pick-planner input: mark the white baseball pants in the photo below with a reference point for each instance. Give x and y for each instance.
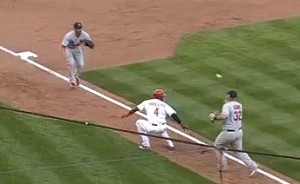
(76, 63)
(143, 126)
(235, 140)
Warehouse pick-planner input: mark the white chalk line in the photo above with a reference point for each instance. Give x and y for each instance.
(25, 57)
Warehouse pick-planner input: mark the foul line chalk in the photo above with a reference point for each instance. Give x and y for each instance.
(27, 54)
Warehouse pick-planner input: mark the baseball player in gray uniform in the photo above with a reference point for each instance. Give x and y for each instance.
(72, 50)
(232, 134)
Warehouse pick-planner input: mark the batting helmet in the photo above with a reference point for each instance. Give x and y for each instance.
(159, 93)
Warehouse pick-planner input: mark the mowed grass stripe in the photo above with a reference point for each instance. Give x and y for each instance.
(9, 160)
(272, 96)
(62, 136)
(56, 149)
(235, 53)
(239, 76)
(260, 60)
(105, 172)
(97, 171)
(276, 103)
(62, 149)
(78, 154)
(110, 172)
(25, 156)
(282, 68)
(94, 155)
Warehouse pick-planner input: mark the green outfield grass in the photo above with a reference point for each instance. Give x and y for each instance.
(261, 61)
(36, 150)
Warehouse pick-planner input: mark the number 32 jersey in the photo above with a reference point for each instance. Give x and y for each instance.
(233, 110)
(156, 110)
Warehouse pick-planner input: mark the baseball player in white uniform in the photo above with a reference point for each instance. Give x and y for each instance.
(232, 133)
(156, 111)
(72, 50)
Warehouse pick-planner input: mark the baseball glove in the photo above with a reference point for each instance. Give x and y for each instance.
(89, 43)
(212, 116)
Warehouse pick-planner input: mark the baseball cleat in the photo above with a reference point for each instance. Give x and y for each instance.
(72, 85)
(142, 147)
(253, 171)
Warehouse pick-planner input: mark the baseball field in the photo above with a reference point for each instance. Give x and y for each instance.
(177, 45)
(259, 60)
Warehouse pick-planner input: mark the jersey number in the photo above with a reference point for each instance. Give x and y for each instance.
(156, 111)
(237, 115)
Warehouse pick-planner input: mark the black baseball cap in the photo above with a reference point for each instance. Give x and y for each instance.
(232, 93)
(78, 25)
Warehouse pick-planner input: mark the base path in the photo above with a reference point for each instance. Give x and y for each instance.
(125, 32)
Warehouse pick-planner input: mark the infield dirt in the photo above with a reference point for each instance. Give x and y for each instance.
(124, 32)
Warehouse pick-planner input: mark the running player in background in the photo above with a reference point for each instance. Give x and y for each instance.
(72, 50)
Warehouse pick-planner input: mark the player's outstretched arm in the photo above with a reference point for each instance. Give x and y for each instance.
(177, 119)
(130, 112)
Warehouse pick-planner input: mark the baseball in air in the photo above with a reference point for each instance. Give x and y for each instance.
(86, 123)
(219, 76)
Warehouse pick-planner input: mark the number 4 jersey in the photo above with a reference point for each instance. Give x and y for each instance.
(233, 110)
(156, 110)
